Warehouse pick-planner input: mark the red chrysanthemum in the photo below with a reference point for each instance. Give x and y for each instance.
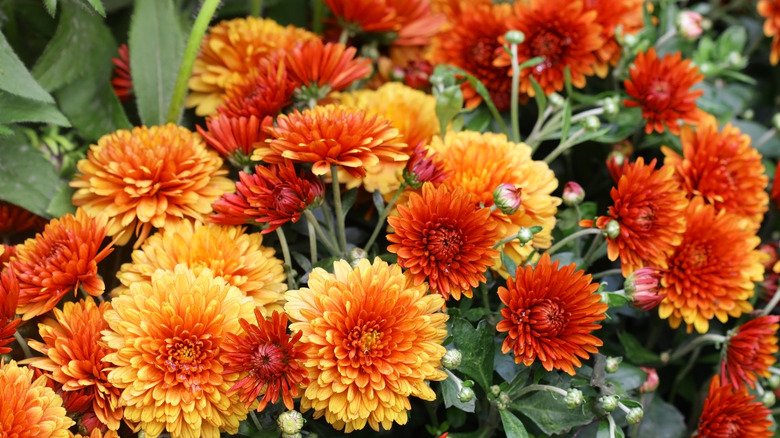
(268, 360)
(318, 68)
(649, 205)
(612, 15)
(122, 81)
(235, 137)
(770, 9)
(550, 315)
(59, 260)
(9, 295)
(662, 88)
(750, 351)
(563, 33)
(15, 219)
(274, 195)
(446, 237)
(413, 21)
(263, 92)
(422, 167)
(730, 412)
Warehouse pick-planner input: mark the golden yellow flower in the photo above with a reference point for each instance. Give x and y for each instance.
(167, 336)
(231, 253)
(373, 340)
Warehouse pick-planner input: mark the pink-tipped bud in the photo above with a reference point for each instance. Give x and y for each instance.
(573, 194)
(689, 24)
(421, 168)
(507, 198)
(651, 383)
(643, 286)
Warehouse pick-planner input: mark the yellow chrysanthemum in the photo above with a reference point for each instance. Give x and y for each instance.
(230, 253)
(167, 336)
(234, 46)
(480, 163)
(29, 409)
(373, 340)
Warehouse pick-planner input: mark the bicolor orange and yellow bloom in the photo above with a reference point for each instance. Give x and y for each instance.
(611, 15)
(729, 411)
(750, 351)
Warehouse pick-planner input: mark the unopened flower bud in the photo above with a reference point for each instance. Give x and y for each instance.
(613, 363)
(356, 254)
(642, 286)
(292, 435)
(495, 390)
(634, 415)
(651, 383)
(514, 37)
(735, 60)
(507, 198)
(609, 402)
(466, 394)
(689, 24)
(613, 229)
(504, 398)
(776, 121)
(706, 68)
(631, 40)
(525, 235)
(573, 194)
(397, 74)
(574, 398)
(774, 381)
(451, 359)
(290, 422)
(556, 100)
(611, 106)
(591, 123)
(748, 114)
(769, 399)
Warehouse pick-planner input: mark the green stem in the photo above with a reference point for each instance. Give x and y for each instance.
(344, 37)
(775, 298)
(603, 274)
(591, 112)
(593, 249)
(515, 110)
(684, 372)
(572, 236)
(256, 8)
(563, 146)
(312, 241)
(612, 426)
(765, 138)
(324, 237)
(317, 14)
(485, 297)
(540, 387)
(255, 421)
(342, 234)
(286, 254)
(383, 216)
(531, 139)
(698, 342)
(23, 343)
(188, 60)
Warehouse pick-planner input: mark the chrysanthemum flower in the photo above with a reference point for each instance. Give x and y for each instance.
(28, 408)
(326, 135)
(480, 163)
(235, 137)
(122, 80)
(167, 335)
(59, 260)
(550, 315)
(649, 205)
(15, 219)
(9, 295)
(470, 42)
(422, 167)
(372, 338)
(723, 168)
(231, 253)
(262, 92)
(770, 9)
(273, 195)
(149, 177)
(750, 351)
(612, 15)
(96, 433)
(268, 360)
(413, 21)
(73, 356)
(563, 33)
(642, 286)
(662, 88)
(445, 237)
(712, 271)
(6, 253)
(230, 50)
(732, 412)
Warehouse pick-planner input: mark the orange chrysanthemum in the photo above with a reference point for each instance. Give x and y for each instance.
(122, 80)
(28, 408)
(231, 253)
(230, 50)
(723, 168)
(15, 219)
(235, 137)
(74, 357)
(96, 433)
(149, 177)
(319, 68)
(550, 315)
(269, 360)
(373, 339)
(9, 295)
(712, 271)
(59, 260)
(649, 205)
(480, 163)
(563, 33)
(263, 92)
(770, 9)
(470, 42)
(446, 237)
(662, 88)
(333, 135)
(612, 15)
(750, 351)
(413, 21)
(167, 335)
(730, 412)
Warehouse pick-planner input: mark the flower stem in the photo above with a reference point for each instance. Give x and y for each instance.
(316, 19)
(383, 216)
(515, 114)
(603, 274)
(342, 234)
(701, 340)
(286, 254)
(540, 387)
(594, 248)
(572, 236)
(344, 37)
(312, 241)
(324, 237)
(765, 138)
(772, 303)
(23, 343)
(188, 60)
(563, 146)
(256, 8)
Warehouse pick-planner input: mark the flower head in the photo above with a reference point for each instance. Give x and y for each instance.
(333, 135)
(9, 295)
(444, 236)
(372, 339)
(167, 338)
(642, 286)
(770, 9)
(649, 205)
(550, 315)
(268, 360)
(73, 357)
(712, 271)
(15, 219)
(662, 88)
(28, 408)
(732, 412)
(319, 68)
(230, 252)
(422, 167)
(612, 15)
(263, 92)
(689, 24)
(149, 177)
(274, 195)
(59, 260)
(723, 168)
(750, 351)
(413, 21)
(122, 80)
(235, 137)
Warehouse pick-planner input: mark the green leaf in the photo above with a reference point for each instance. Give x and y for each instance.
(603, 430)
(61, 203)
(450, 389)
(98, 7)
(16, 109)
(636, 352)
(661, 419)
(549, 413)
(379, 201)
(539, 96)
(348, 200)
(629, 377)
(566, 120)
(29, 180)
(476, 345)
(156, 44)
(5, 131)
(616, 299)
(51, 6)
(504, 364)
(513, 427)
(509, 264)
(16, 79)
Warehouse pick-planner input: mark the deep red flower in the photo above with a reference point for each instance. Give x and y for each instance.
(413, 21)
(730, 412)
(750, 351)
(122, 80)
(235, 137)
(9, 295)
(15, 219)
(263, 92)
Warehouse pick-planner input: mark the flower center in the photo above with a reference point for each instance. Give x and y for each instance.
(545, 318)
(287, 200)
(268, 361)
(659, 95)
(644, 218)
(443, 243)
(364, 341)
(185, 357)
(482, 53)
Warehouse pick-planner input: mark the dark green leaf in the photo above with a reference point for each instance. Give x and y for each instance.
(603, 431)
(14, 77)
(588, 210)
(509, 264)
(629, 377)
(635, 352)
(476, 345)
(449, 101)
(92, 106)
(662, 420)
(450, 389)
(61, 203)
(302, 260)
(29, 180)
(539, 96)
(631, 403)
(379, 201)
(513, 427)
(15, 109)
(616, 299)
(156, 44)
(348, 200)
(770, 146)
(504, 364)
(51, 6)
(549, 413)
(98, 7)
(566, 120)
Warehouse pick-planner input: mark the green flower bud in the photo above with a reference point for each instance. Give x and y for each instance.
(749, 114)
(591, 123)
(609, 402)
(495, 390)
(774, 381)
(574, 398)
(504, 398)
(451, 359)
(776, 121)
(514, 37)
(768, 399)
(611, 106)
(613, 363)
(634, 415)
(292, 435)
(556, 100)
(465, 394)
(525, 235)
(355, 254)
(631, 40)
(290, 422)
(613, 229)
